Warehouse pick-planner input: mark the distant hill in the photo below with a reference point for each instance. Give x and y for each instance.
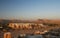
(35, 21)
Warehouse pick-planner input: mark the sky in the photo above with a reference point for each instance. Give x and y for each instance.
(30, 9)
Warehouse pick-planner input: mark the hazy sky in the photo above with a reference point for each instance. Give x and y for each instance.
(30, 9)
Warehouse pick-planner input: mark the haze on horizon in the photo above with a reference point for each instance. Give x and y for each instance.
(30, 9)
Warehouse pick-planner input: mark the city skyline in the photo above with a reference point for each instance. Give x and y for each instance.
(30, 9)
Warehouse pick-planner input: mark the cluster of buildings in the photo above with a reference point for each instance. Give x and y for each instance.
(25, 25)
